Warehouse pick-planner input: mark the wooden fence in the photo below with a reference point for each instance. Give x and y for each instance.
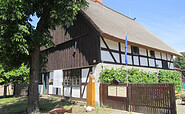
(141, 97)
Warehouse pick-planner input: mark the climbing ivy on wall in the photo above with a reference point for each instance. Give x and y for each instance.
(140, 76)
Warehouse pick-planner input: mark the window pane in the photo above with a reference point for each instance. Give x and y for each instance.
(105, 56)
(152, 62)
(116, 56)
(136, 60)
(123, 58)
(135, 50)
(159, 63)
(129, 59)
(143, 61)
(152, 54)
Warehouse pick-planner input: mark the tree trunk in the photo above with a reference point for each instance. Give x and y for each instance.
(14, 89)
(33, 95)
(5, 90)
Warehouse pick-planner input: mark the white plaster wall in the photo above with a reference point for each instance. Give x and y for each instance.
(54, 91)
(102, 43)
(59, 80)
(85, 92)
(51, 75)
(157, 55)
(84, 75)
(50, 89)
(169, 57)
(40, 89)
(67, 91)
(105, 56)
(149, 53)
(123, 48)
(111, 44)
(76, 92)
(163, 56)
(142, 51)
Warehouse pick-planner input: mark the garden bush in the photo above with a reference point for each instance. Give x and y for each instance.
(168, 76)
(140, 76)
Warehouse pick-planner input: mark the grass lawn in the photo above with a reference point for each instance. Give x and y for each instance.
(19, 105)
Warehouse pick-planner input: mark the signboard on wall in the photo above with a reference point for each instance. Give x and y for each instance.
(117, 91)
(57, 78)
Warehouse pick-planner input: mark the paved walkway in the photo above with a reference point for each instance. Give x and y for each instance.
(180, 107)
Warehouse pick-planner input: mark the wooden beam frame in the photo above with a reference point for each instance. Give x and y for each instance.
(109, 50)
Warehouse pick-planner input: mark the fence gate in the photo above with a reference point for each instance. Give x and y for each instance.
(153, 98)
(146, 98)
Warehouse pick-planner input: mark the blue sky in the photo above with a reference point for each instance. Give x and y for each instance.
(164, 18)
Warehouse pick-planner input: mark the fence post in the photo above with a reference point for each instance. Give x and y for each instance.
(130, 97)
(172, 99)
(101, 94)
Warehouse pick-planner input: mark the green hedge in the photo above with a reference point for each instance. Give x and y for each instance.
(168, 76)
(140, 76)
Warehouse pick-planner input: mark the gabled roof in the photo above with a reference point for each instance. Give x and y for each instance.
(114, 25)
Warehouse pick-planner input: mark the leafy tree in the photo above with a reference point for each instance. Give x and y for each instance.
(20, 75)
(179, 62)
(20, 42)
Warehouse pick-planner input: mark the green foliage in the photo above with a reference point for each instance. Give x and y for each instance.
(20, 75)
(182, 96)
(20, 41)
(108, 75)
(140, 76)
(179, 62)
(168, 76)
(19, 38)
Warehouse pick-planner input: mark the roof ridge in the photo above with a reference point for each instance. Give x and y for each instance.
(114, 11)
(118, 12)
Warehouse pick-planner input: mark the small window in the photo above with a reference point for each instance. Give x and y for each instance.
(72, 77)
(67, 78)
(152, 54)
(135, 50)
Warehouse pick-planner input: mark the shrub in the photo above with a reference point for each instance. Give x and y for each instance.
(168, 76)
(109, 74)
(140, 76)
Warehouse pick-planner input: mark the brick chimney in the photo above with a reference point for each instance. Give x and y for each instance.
(98, 1)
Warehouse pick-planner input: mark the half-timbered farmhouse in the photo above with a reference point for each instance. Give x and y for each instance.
(95, 42)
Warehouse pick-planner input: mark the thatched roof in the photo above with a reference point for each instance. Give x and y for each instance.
(115, 26)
